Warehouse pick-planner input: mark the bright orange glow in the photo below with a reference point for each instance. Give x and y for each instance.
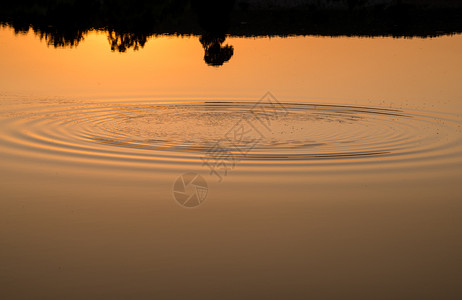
(350, 69)
(348, 187)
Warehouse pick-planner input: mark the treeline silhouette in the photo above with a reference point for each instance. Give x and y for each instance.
(129, 24)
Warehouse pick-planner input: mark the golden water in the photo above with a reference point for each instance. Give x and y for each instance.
(352, 188)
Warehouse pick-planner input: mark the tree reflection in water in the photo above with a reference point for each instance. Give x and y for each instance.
(123, 41)
(129, 24)
(215, 53)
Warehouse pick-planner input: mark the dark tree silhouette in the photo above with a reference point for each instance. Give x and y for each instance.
(123, 41)
(215, 53)
(65, 23)
(214, 18)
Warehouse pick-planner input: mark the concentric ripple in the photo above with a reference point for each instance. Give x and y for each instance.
(146, 135)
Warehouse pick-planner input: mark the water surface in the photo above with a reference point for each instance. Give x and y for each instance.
(352, 190)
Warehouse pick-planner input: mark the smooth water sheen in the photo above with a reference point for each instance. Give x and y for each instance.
(348, 186)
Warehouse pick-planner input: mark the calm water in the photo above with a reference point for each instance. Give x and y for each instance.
(351, 186)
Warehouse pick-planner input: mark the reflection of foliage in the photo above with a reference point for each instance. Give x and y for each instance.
(60, 23)
(128, 23)
(123, 41)
(64, 23)
(216, 54)
(214, 16)
(60, 38)
(54, 36)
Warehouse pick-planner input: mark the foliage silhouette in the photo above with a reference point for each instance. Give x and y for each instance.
(215, 53)
(129, 24)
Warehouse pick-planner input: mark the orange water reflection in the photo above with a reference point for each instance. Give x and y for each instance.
(351, 69)
(81, 217)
